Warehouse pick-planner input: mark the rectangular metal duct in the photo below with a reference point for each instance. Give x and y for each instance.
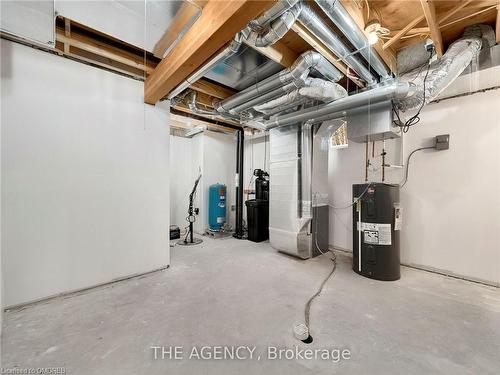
(243, 69)
(298, 199)
(373, 122)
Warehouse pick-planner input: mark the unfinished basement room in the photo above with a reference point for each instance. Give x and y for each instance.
(250, 187)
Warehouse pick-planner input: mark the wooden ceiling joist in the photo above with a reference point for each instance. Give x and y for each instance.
(457, 8)
(315, 43)
(403, 32)
(470, 15)
(209, 88)
(187, 123)
(217, 25)
(94, 46)
(429, 9)
(357, 13)
(278, 52)
(498, 23)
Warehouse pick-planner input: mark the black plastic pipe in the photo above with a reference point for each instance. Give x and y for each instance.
(240, 144)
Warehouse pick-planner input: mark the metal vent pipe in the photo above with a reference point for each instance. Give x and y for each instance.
(295, 73)
(229, 51)
(324, 111)
(276, 11)
(319, 28)
(343, 20)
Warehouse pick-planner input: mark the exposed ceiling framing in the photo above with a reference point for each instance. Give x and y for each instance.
(442, 20)
(218, 24)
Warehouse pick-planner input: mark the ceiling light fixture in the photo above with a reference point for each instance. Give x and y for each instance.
(372, 38)
(373, 27)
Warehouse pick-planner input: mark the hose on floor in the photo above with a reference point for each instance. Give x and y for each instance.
(307, 311)
(333, 259)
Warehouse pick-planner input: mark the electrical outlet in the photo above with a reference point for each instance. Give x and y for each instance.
(442, 142)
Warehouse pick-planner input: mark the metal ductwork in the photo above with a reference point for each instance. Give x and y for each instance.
(294, 75)
(276, 11)
(229, 51)
(331, 110)
(300, 82)
(306, 15)
(277, 29)
(190, 99)
(298, 200)
(441, 73)
(314, 88)
(343, 20)
(321, 30)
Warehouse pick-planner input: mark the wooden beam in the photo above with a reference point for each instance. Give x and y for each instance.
(87, 57)
(454, 10)
(218, 24)
(278, 52)
(212, 89)
(415, 30)
(469, 16)
(403, 32)
(182, 19)
(481, 3)
(184, 109)
(102, 49)
(357, 14)
(67, 33)
(430, 15)
(186, 122)
(315, 43)
(498, 23)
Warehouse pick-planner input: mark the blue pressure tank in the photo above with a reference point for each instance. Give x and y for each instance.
(216, 206)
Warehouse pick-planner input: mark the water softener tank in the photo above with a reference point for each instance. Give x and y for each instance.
(376, 226)
(216, 206)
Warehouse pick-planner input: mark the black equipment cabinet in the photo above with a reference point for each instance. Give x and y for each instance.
(258, 219)
(374, 218)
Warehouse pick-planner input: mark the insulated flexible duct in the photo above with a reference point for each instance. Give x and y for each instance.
(314, 88)
(330, 110)
(441, 73)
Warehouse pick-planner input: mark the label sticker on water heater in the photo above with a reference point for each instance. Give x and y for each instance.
(376, 234)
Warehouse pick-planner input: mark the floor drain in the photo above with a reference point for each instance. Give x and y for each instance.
(308, 340)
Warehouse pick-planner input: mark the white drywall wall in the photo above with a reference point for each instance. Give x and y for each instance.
(219, 166)
(110, 17)
(215, 154)
(182, 177)
(198, 166)
(256, 155)
(451, 201)
(85, 176)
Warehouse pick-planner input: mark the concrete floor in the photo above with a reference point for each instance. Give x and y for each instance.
(229, 292)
